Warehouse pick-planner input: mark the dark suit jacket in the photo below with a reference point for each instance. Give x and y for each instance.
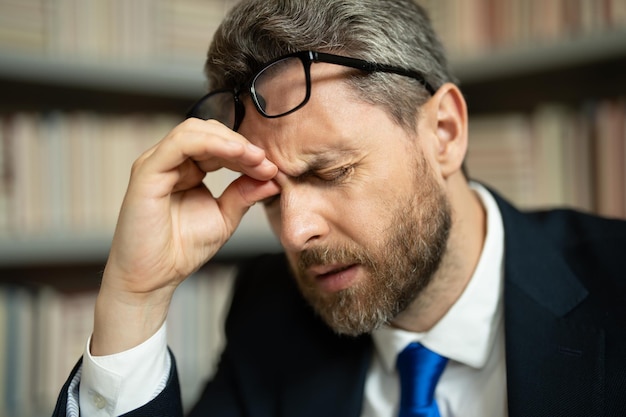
(565, 327)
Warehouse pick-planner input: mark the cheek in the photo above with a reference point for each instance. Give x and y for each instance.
(363, 210)
(362, 215)
(353, 214)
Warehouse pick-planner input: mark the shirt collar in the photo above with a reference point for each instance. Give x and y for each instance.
(467, 332)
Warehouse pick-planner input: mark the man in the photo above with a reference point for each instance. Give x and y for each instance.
(345, 123)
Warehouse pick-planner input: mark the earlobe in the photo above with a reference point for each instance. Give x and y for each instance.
(451, 128)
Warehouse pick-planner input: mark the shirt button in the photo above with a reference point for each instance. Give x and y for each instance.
(99, 401)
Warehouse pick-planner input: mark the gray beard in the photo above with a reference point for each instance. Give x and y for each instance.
(398, 268)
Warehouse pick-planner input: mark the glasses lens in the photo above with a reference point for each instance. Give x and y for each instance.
(219, 106)
(280, 88)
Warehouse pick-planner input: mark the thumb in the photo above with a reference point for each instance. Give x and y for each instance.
(242, 194)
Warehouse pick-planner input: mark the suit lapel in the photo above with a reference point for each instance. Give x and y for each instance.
(554, 363)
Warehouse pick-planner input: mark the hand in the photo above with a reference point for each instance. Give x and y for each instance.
(170, 224)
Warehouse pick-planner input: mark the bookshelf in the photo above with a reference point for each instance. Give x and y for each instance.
(599, 60)
(516, 80)
(537, 104)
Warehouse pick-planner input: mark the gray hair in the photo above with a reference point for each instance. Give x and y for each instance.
(395, 32)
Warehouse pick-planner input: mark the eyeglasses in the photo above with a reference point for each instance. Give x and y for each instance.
(281, 87)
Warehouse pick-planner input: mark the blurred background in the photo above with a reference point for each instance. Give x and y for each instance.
(87, 85)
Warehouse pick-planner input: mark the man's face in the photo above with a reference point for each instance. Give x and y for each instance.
(361, 215)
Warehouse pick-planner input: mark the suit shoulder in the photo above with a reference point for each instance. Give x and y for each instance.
(572, 228)
(593, 246)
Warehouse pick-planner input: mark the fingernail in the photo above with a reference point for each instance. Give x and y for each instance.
(267, 163)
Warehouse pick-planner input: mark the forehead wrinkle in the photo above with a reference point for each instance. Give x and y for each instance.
(319, 134)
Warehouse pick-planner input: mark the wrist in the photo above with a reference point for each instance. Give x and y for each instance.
(123, 320)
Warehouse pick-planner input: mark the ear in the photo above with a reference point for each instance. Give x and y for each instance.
(448, 120)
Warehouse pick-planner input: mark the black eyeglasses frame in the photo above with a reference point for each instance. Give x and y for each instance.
(307, 58)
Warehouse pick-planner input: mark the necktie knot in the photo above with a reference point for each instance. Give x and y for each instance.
(419, 369)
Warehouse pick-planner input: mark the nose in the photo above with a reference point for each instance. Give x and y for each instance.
(302, 221)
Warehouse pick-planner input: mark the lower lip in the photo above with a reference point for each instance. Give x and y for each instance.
(338, 281)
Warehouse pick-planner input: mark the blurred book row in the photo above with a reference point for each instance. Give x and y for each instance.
(154, 30)
(66, 173)
(555, 156)
(473, 27)
(175, 30)
(43, 333)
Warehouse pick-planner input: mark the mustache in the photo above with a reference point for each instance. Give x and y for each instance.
(329, 255)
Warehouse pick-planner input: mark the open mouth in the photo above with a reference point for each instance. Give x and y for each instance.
(334, 278)
(334, 271)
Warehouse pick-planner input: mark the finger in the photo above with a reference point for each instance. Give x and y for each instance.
(242, 194)
(211, 146)
(203, 141)
(189, 176)
(263, 171)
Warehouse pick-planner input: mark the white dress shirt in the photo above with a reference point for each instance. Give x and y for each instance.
(471, 335)
(115, 384)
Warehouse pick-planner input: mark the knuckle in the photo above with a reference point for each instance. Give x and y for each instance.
(213, 122)
(191, 123)
(141, 160)
(137, 164)
(199, 124)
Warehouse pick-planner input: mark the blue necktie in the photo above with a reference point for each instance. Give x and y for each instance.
(419, 370)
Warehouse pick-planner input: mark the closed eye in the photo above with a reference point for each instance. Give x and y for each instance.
(330, 177)
(336, 175)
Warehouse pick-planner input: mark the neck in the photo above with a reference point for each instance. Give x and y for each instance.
(463, 250)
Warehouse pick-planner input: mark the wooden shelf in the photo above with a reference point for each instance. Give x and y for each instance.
(571, 71)
(531, 59)
(146, 78)
(39, 83)
(252, 237)
(93, 249)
